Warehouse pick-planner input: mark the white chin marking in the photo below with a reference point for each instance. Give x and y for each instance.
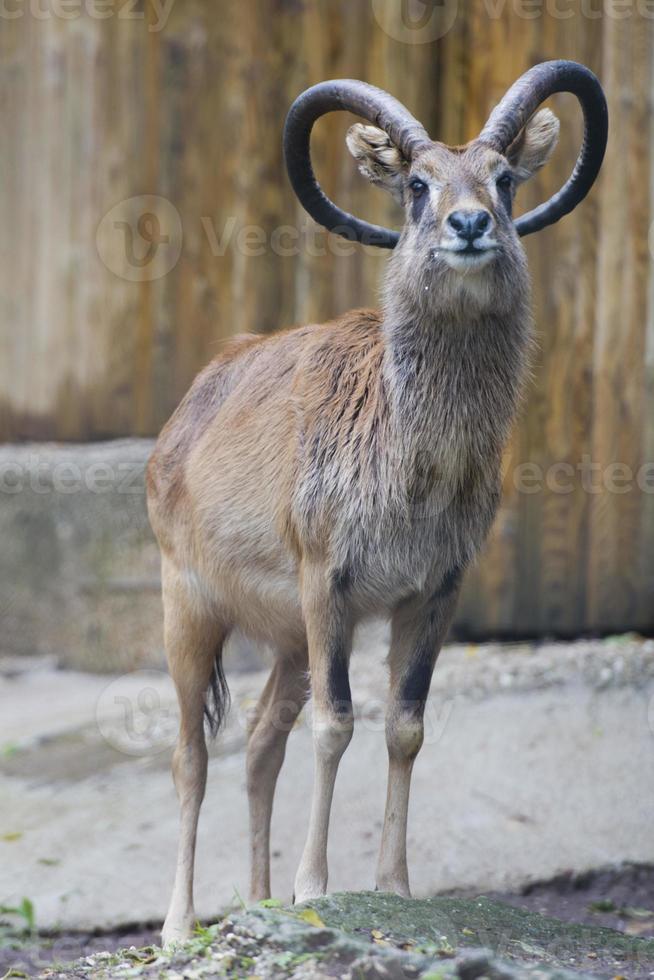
(467, 261)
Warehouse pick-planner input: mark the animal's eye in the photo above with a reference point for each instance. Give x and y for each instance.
(417, 187)
(504, 182)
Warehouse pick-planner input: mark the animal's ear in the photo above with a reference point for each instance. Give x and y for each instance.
(378, 158)
(534, 144)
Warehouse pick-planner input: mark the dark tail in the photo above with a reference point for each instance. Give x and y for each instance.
(218, 700)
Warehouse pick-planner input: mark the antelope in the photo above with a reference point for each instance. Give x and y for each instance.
(325, 474)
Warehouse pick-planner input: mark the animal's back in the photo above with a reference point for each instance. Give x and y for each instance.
(165, 476)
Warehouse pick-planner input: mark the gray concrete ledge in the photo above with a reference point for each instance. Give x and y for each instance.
(79, 567)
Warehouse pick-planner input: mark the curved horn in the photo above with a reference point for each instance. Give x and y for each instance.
(373, 104)
(520, 103)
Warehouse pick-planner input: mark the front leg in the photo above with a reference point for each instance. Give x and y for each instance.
(329, 635)
(418, 628)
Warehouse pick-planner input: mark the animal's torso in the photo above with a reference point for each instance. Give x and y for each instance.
(378, 460)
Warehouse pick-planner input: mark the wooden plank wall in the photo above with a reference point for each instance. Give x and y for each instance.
(99, 111)
(561, 562)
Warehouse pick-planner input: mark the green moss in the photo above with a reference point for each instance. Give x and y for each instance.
(434, 922)
(433, 939)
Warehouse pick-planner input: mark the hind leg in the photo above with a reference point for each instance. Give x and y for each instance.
(193, 638)
(283, 697)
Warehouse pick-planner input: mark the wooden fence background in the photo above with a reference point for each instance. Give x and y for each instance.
(115, 101)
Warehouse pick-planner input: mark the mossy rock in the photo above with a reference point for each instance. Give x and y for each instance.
(515, 935)
(375, 936)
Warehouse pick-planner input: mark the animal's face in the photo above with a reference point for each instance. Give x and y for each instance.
(458, 206)
(458, 202)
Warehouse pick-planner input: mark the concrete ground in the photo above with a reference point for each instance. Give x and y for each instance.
(537, 760)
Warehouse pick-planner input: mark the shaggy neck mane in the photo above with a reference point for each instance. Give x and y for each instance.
(454, 363)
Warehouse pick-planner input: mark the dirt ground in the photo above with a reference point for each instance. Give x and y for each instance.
(537, 767)
(618, 898)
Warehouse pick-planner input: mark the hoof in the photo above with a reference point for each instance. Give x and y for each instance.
(309, 885)
(394, 887)
(175, 933)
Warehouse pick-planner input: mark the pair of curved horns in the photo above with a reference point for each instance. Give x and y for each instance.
(503, 126)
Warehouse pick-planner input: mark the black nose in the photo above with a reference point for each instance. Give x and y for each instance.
(469, 225)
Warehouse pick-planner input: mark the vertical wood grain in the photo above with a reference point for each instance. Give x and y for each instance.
(100, 111)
